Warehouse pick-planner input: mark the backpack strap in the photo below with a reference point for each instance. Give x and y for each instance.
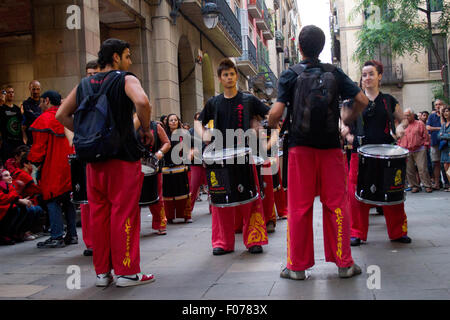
(246, 112)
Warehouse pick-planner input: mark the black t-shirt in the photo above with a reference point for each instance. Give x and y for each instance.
(376, 122)
(11, 123)
(31, 111)
(230, 113)
(122, 109)
(346, 89)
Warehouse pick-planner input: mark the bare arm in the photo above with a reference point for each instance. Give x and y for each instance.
(349, 115)
(67, 109)
(136, 93)
(275, 114)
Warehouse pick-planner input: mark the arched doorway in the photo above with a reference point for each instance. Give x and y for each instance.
(208, 78)
(186, 81)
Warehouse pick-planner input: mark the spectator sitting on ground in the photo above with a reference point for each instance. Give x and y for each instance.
(14, 163)
(17, 219)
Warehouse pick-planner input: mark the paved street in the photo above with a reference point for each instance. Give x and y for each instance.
(185, 268)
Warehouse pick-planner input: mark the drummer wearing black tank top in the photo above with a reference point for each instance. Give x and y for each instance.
(159, 147)
(375, 126)
(233, 113)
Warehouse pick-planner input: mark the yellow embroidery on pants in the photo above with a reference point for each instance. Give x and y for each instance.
(288, 246)
(339, 219)
(127, 259)
(256, 230)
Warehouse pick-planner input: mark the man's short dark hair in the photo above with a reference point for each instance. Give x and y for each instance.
(93, 64)
(53, 96)
(311, 40)
(20, 149)
(426, 112)
(107, 50)
(226, 64)
(24, 160)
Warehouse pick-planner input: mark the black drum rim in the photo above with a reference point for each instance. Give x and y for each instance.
(234, 204)
(379, 203)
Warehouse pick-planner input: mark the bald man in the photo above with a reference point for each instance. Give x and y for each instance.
(31, 110)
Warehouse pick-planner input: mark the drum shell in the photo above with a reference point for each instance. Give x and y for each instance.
(149, 191)
(260, 180)
(231, 184)
(78, 177)
(175, 184)
(381, 181)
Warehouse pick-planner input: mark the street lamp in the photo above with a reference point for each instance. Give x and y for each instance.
(269, 88)
(210, 13)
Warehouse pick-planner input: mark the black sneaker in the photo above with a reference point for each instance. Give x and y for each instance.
(220, 251)
(255, 249)
(88, 252)
(68, 240)
(52, 243)
(354, 242)
(404, 239)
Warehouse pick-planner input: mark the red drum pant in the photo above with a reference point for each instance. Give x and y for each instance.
(198, 178)
(280, 197)
(396, 221)
(269, 198)
(314, 171)
(113, 189)
(179, 208)
(225, 221)
(159, 220)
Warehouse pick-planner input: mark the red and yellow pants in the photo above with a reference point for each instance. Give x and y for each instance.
(396, 220)
(314, 172)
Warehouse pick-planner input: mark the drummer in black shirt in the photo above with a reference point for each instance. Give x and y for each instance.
(230, 111)
(375, 126)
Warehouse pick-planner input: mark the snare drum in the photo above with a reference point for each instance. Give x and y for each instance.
(149, 191)
(230, 176)
(258, 161)
(275, 173)
(175, 182)
(78, 176)
(381, 174)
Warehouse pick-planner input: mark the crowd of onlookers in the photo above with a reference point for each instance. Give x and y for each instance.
(24, 213)
(427, 139)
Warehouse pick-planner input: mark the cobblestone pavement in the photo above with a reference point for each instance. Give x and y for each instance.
(185, 268)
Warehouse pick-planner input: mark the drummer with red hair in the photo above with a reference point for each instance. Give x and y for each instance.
(376, 125)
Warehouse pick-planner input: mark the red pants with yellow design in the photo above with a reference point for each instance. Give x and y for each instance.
(269, 197)
(159, 220)
(396, 221)
(250, 218)
(86, 226)
(314, 171)
(179, 208)
(198, 178)
(113, 189)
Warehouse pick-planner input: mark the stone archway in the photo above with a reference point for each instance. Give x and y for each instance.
(186, 81)
(208, 78)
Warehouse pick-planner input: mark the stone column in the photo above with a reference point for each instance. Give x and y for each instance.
(63, 42)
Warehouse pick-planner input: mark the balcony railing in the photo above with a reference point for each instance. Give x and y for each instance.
(229, 21)
(255, 8)
(264, 23)
(249, 53)
(265, 70)
(392, 74)
(276, 4)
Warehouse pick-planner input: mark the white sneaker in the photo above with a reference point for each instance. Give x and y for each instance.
(104, 279)
(134, 279)
(350, 271)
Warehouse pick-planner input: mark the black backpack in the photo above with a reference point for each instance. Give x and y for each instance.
(315, 104)
(96, 137)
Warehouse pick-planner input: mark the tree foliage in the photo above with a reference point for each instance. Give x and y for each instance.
(403, 25)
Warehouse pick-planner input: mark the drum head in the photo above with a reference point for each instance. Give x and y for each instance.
(176, 169)
(223, 154)
(147, 170)
(258, 160)
(383, 151)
